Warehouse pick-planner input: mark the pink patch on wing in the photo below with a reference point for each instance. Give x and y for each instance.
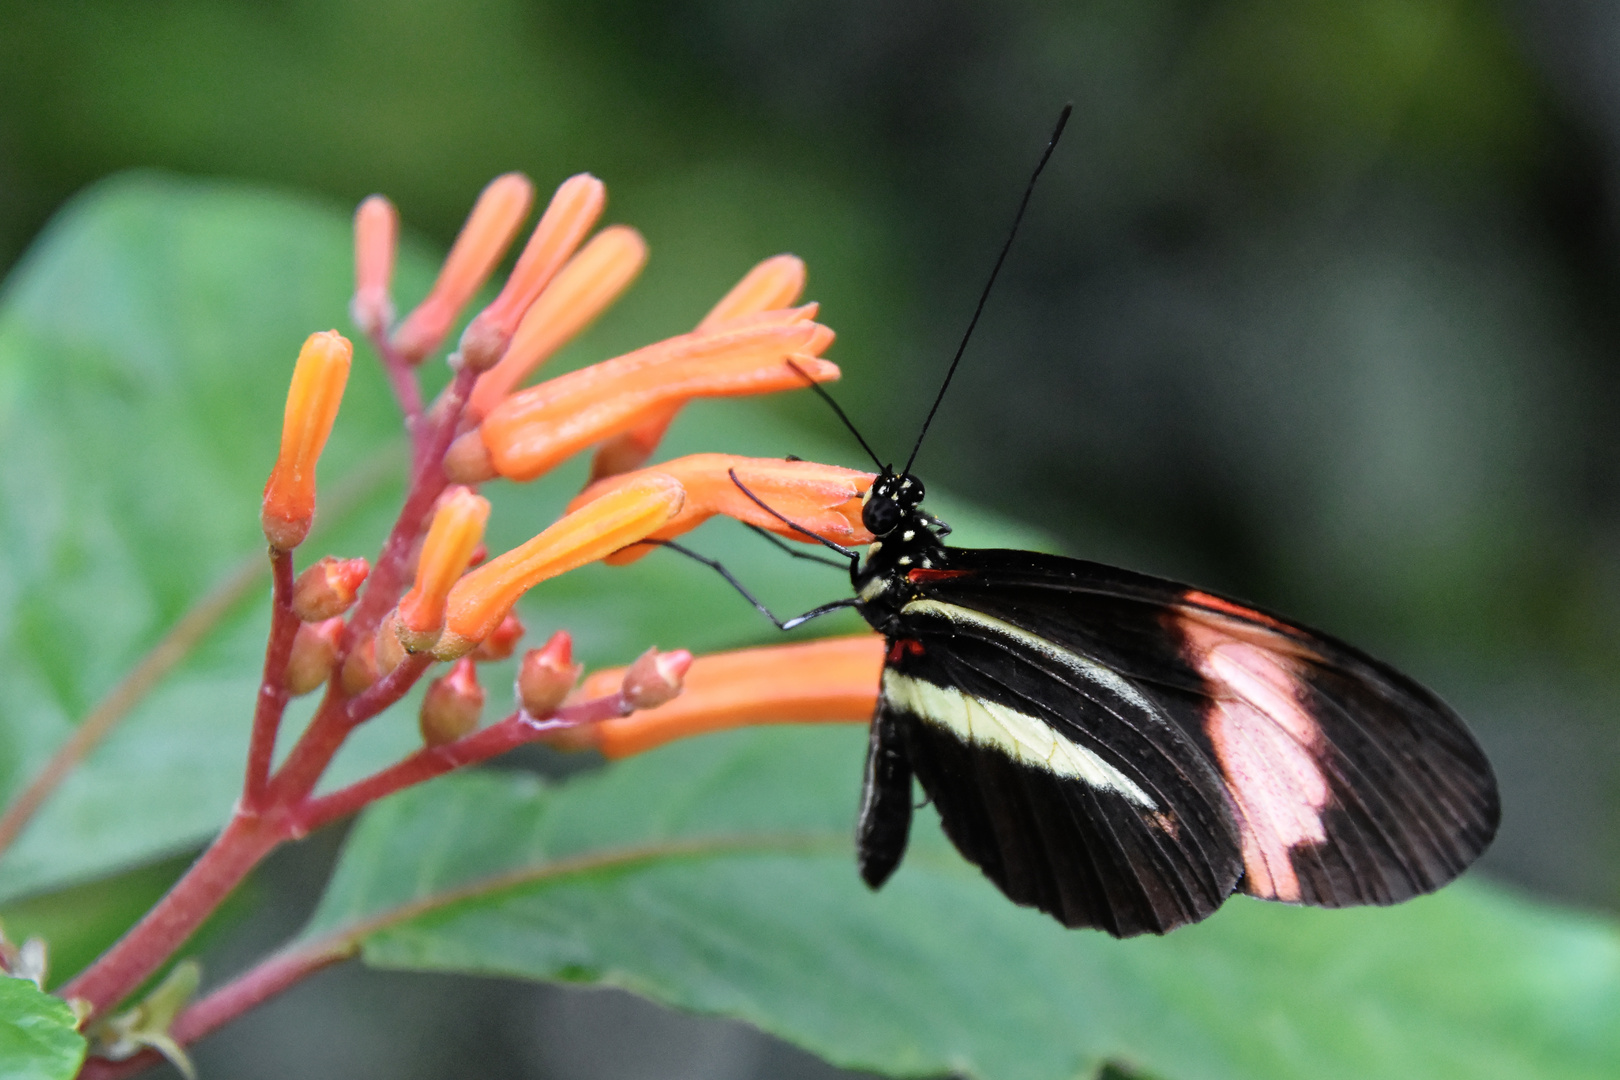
(1267, 743)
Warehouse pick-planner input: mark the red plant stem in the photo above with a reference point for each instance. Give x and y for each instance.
(334, 720)
(272, 700)
(387, 578)
(402, 378)
(429, 762)
(246, 840)
(254, 987)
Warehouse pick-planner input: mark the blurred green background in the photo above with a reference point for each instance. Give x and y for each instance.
(1316, 306)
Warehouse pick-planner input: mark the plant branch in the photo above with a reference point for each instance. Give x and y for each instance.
(245, 841)
(401, 378)
(514, 731)
(387, 580)
(285, 969)
(271, 703)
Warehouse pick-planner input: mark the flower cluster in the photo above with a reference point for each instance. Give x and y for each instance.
(364, 632)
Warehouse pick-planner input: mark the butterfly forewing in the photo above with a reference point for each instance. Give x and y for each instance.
(1122, 751)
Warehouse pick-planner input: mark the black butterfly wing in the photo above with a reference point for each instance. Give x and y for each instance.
(1346, 782)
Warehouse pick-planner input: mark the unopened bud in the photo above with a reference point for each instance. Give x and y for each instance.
(390, 650)
(570, 215)
(328, 588)
(452, 704)
(314, 652)
(547, 675)
(494, 220)
(468, 460)
(376, 237)
(499, 645)
(359, 668)
(655, 678)
(312, 404)
(456, 531)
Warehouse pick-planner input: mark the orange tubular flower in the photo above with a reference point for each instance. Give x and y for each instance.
(581, 291)
(312, 404)
(573, 210)
(825, 499)
(834, 680)
(773, 284)
(457, 529)
(483, 597)
(376, 238)
(538, 428)
(489, 229)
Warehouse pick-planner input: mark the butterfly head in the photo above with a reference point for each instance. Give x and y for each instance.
(890, 502)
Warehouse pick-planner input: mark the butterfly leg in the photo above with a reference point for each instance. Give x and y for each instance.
(719, 568)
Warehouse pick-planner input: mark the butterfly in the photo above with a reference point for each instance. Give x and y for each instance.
(1124, 752)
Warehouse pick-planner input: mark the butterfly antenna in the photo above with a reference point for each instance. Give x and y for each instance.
(1051, 144)
(828, 398)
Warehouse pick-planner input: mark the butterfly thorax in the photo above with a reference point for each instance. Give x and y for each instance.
(907, 540)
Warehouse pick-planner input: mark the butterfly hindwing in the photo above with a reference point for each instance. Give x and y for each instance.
(1070, 789)
(1348, 783)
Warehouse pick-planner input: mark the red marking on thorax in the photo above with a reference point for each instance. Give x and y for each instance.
(902, 646)
(920, 575)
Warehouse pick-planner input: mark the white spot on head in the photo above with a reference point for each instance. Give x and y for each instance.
(873, 548)
(908, 535)
(1267, 743)
(904, 484)
(905, 560)
(1021, 737)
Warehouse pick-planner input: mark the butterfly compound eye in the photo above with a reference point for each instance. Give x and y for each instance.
(881, 515)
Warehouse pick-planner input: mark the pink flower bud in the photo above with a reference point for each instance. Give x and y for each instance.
(452, 704)
(328, 588)
(547, 675)
(499, 645)
(655, 678)
(314, 653)
(376, 238)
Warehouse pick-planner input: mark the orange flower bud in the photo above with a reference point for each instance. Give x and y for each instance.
(582, 290)
(359, 667)
(482, 598)
(457, 529)
(655, 678)
(500, 643)
(769, 287)
(314, 652)
(489, 229)
(535, 429)
(834, 680)
(452, 704)
(312, 404)
(774, 283)
(824, 499)
(547, 675)
(376, 238)
(328, 588)
(573, 210)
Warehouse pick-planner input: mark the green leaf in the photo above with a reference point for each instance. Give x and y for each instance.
(717, 875)
(38, 1036)
(145, 348)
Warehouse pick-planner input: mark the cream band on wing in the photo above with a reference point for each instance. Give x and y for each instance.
(1020, 638)
(1267, 743)
(1021, 737)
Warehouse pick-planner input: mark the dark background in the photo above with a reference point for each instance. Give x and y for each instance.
(1315, 306)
